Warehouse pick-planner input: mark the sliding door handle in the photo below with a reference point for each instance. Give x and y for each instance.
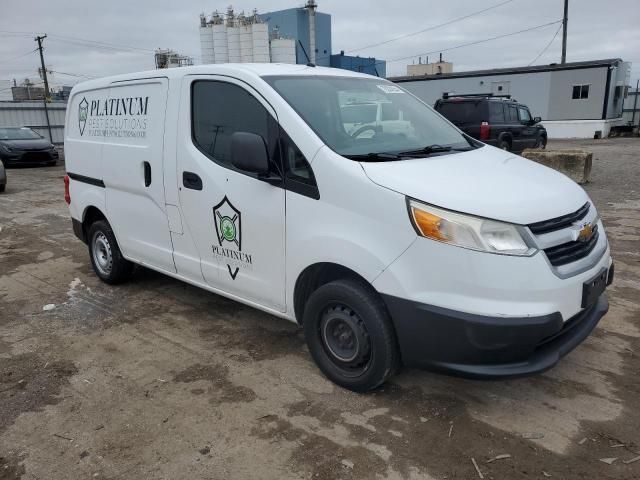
(147, 173)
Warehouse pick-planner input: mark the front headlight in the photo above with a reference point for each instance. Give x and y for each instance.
(468, 231)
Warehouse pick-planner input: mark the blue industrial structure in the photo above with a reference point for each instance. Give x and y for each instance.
(368, 65)
(294, 23)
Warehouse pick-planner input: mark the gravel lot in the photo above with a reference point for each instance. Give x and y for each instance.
(158, 379)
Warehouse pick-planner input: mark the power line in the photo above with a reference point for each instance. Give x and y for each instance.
(103, 45)
(433, 27)
(18, 56)
(548, 45)
(468, 44)
(79, 75)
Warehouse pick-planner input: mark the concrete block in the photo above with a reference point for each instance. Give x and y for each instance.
(576, 164)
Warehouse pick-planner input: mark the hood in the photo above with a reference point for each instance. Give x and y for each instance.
(32, 144)
(487, 182)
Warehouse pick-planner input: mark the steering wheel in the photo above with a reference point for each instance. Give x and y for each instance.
(363, 129)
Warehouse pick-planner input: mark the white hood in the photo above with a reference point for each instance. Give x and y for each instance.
(487, 182)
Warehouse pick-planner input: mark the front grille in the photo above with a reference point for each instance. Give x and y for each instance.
(572, 251)
(559, 223)
(36, 157)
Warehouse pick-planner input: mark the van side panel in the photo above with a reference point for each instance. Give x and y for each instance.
(355, 224)
(83, 154)
(130, 122)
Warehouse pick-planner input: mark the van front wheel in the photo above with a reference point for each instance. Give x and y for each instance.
(106, 257)
(350, 336)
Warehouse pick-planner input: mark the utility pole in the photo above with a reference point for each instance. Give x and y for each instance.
(46, 84)
(565, 18)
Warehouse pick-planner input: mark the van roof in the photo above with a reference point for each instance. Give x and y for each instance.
(234, 69)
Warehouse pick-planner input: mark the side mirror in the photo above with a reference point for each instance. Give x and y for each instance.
(536, 120)
(249, 153)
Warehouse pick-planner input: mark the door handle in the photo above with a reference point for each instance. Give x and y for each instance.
(147, 173)
(191, 180)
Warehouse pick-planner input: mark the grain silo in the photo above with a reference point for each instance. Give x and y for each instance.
(206, 40)
(260, 39)
(219, 30)
(246, 39)
(283, 50)
(233, 37)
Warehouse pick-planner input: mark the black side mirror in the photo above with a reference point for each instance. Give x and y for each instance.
(249, 153)
(536, 120)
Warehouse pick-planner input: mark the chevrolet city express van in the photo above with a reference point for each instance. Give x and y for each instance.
(396, 242)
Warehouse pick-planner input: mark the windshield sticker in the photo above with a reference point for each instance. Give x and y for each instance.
(390, 89)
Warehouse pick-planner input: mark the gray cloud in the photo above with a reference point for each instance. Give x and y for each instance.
(596, 30)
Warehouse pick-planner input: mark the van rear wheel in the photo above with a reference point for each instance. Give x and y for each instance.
(350, 335)
(106, 257)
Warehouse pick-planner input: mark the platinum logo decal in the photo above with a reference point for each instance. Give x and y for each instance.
(228, 222)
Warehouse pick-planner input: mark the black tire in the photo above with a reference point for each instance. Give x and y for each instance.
(106, 258)
(2, 187)
(504, 145)
(351, 312)
(542, 142)
(52, 163)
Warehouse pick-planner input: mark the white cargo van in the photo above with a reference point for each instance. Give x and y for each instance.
(410, 245)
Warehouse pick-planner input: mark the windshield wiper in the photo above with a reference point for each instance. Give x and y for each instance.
(375, 157)
(435, 148)
(428, 150)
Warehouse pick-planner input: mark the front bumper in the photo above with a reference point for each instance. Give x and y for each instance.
(477, 346)
(29, 157)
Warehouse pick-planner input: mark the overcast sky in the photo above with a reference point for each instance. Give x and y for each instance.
(597, 30)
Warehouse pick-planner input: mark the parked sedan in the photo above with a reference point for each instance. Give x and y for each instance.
(23, 146)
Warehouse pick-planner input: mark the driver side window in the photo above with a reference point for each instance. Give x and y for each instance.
(218, 110)
(525, 116)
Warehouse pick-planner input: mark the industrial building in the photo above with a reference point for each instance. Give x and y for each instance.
(237, 39)
(575, 100)
(426, 68)
(166, 58)
(294, 35)
(368, 65)
(310, 30)
(27, 91)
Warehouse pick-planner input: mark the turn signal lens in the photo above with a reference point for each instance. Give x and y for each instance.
(468, 231)
(428, 224)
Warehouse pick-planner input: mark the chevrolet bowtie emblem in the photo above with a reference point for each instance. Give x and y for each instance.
(585, 232)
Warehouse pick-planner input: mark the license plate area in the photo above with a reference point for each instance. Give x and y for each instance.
(593, 288)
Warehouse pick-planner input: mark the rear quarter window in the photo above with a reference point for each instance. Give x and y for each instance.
(463, 112)
(496, 112)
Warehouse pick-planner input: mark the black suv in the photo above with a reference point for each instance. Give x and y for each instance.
(495, 120)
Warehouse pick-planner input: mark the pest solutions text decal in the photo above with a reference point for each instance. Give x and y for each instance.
(114, 117)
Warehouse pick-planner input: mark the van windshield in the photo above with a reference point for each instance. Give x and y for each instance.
(361, 117)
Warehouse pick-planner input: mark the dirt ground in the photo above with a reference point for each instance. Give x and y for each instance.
(156, 379)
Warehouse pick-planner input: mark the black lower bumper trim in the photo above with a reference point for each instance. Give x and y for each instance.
(78, 230)
(476, 346)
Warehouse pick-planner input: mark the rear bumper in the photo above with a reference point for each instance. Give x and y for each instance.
(477, 346)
